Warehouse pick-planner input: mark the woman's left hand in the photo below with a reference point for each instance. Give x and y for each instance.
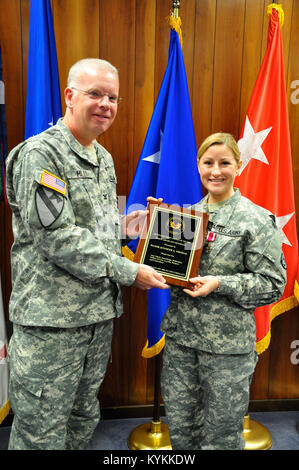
(132, 223)
(203, 286)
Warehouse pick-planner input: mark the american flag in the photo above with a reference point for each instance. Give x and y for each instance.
(52, 181)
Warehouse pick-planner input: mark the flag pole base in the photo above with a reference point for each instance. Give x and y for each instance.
(257, 436)
(150, 436)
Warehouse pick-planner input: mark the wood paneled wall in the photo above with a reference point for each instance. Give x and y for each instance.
(223, 45)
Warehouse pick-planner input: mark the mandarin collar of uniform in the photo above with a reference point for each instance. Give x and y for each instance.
(223, 215)
(74, 144)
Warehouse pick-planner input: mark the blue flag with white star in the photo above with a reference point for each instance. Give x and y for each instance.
(43, 106)
(167, 168)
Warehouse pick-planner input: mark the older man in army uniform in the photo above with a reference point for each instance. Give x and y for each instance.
(67, 267)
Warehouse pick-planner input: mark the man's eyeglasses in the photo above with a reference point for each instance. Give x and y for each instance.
(97, 95)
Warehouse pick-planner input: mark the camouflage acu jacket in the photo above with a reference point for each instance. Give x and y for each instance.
(66, 259)
(246, 255)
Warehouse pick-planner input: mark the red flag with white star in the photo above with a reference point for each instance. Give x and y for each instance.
(266, 175)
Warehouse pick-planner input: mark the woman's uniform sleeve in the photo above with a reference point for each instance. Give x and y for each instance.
(264, 278)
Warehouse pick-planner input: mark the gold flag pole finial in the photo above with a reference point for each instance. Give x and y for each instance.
(176, 5)
(175, 20)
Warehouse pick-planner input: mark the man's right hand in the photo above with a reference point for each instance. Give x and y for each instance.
(147, 278)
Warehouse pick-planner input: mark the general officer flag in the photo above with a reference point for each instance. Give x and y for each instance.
(43, 105)
(167, 166)
(266, 175)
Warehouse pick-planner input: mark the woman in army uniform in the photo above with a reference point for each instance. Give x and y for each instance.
(209, 354)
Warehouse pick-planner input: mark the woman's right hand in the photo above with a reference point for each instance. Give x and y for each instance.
(203, 286)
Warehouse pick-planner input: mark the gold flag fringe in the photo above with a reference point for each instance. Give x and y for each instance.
(4, 411)
(278, 309)
(296, 291)
(127, 253)
(154, 350)
(277, 7)
(175, 23)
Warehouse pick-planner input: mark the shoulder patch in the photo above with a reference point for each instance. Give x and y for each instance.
(49, 205)
(53, 182)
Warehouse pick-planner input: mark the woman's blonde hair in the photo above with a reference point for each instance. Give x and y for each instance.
(220, 138)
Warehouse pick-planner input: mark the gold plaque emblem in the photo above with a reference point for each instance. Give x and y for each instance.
(175, 224)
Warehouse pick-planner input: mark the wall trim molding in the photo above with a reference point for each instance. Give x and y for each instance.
(146, 411)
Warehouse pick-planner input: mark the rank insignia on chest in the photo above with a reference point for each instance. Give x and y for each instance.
(53, 182)
(211, 236)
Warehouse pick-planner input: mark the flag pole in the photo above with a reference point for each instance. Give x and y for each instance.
(154, 435)
(158, 364)
(257, 436)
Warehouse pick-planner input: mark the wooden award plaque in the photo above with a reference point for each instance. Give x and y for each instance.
(171, 242)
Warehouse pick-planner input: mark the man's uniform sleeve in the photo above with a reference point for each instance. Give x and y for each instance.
(47, 214)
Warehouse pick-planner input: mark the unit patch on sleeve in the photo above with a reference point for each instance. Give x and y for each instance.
(53, 182)
(49, 205)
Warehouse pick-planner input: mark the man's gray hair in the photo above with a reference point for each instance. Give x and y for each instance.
(84, 64)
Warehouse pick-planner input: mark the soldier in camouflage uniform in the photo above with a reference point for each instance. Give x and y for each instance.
(209, 355)
(67, 267)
